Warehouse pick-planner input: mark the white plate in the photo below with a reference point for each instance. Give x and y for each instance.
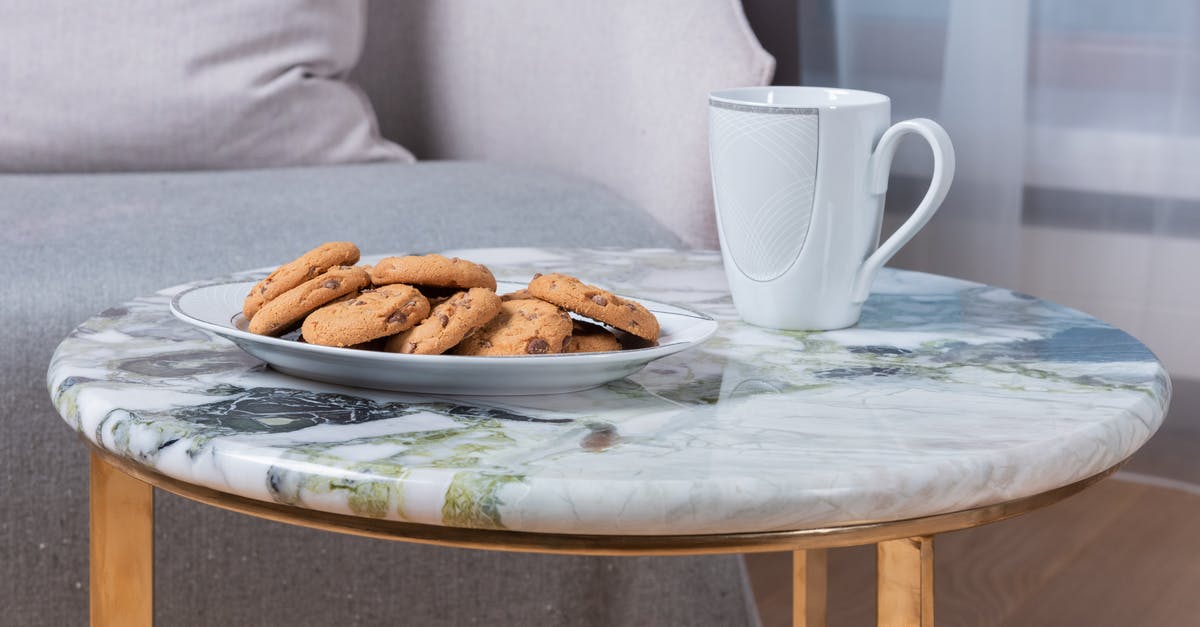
(217, 308)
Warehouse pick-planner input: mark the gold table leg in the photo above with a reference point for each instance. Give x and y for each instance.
(122, 548)
(905, 580)
(808, 588)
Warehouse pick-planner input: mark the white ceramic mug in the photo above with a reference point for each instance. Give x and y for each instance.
(799, 176)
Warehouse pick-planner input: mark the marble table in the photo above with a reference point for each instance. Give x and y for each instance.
(951, 404)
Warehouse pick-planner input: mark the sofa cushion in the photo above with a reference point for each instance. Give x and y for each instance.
(82, 243)
(112, 85)
(616, 91)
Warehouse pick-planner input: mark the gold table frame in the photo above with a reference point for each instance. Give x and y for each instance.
(122, 543)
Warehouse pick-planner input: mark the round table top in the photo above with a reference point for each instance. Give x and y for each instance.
(947, 395)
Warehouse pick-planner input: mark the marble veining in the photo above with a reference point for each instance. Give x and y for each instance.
(947, 395)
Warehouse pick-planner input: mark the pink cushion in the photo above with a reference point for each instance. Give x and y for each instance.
(612, 90)
(169, 84)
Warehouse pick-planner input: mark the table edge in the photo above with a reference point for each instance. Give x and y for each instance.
(594, 544)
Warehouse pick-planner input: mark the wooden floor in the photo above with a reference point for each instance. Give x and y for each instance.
(1125, 553)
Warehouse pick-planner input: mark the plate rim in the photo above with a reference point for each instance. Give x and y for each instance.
(648, 353)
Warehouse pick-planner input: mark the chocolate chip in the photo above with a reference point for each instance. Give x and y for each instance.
(599, 300)
(485, 344)
(332, 284)
(313, 272)
(412, 346)
(537, 275)
(630, 307)
(537, 346)
(443, 319)
(398, 317)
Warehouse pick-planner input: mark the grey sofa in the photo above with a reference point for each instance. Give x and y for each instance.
(76, 244)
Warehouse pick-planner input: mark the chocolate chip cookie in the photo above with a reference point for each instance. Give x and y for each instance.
(588, 300)
(372, 314)
(284, 311)
(448, 323)
(432, 271)
(305, 267)
(587, 337)
(523, 327)
(521, 294)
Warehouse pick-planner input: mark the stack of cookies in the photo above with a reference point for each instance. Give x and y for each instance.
(430, 304)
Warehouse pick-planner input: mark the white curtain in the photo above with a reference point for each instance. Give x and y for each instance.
(1077, 127)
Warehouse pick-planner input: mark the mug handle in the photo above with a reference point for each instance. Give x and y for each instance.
(880, 167)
